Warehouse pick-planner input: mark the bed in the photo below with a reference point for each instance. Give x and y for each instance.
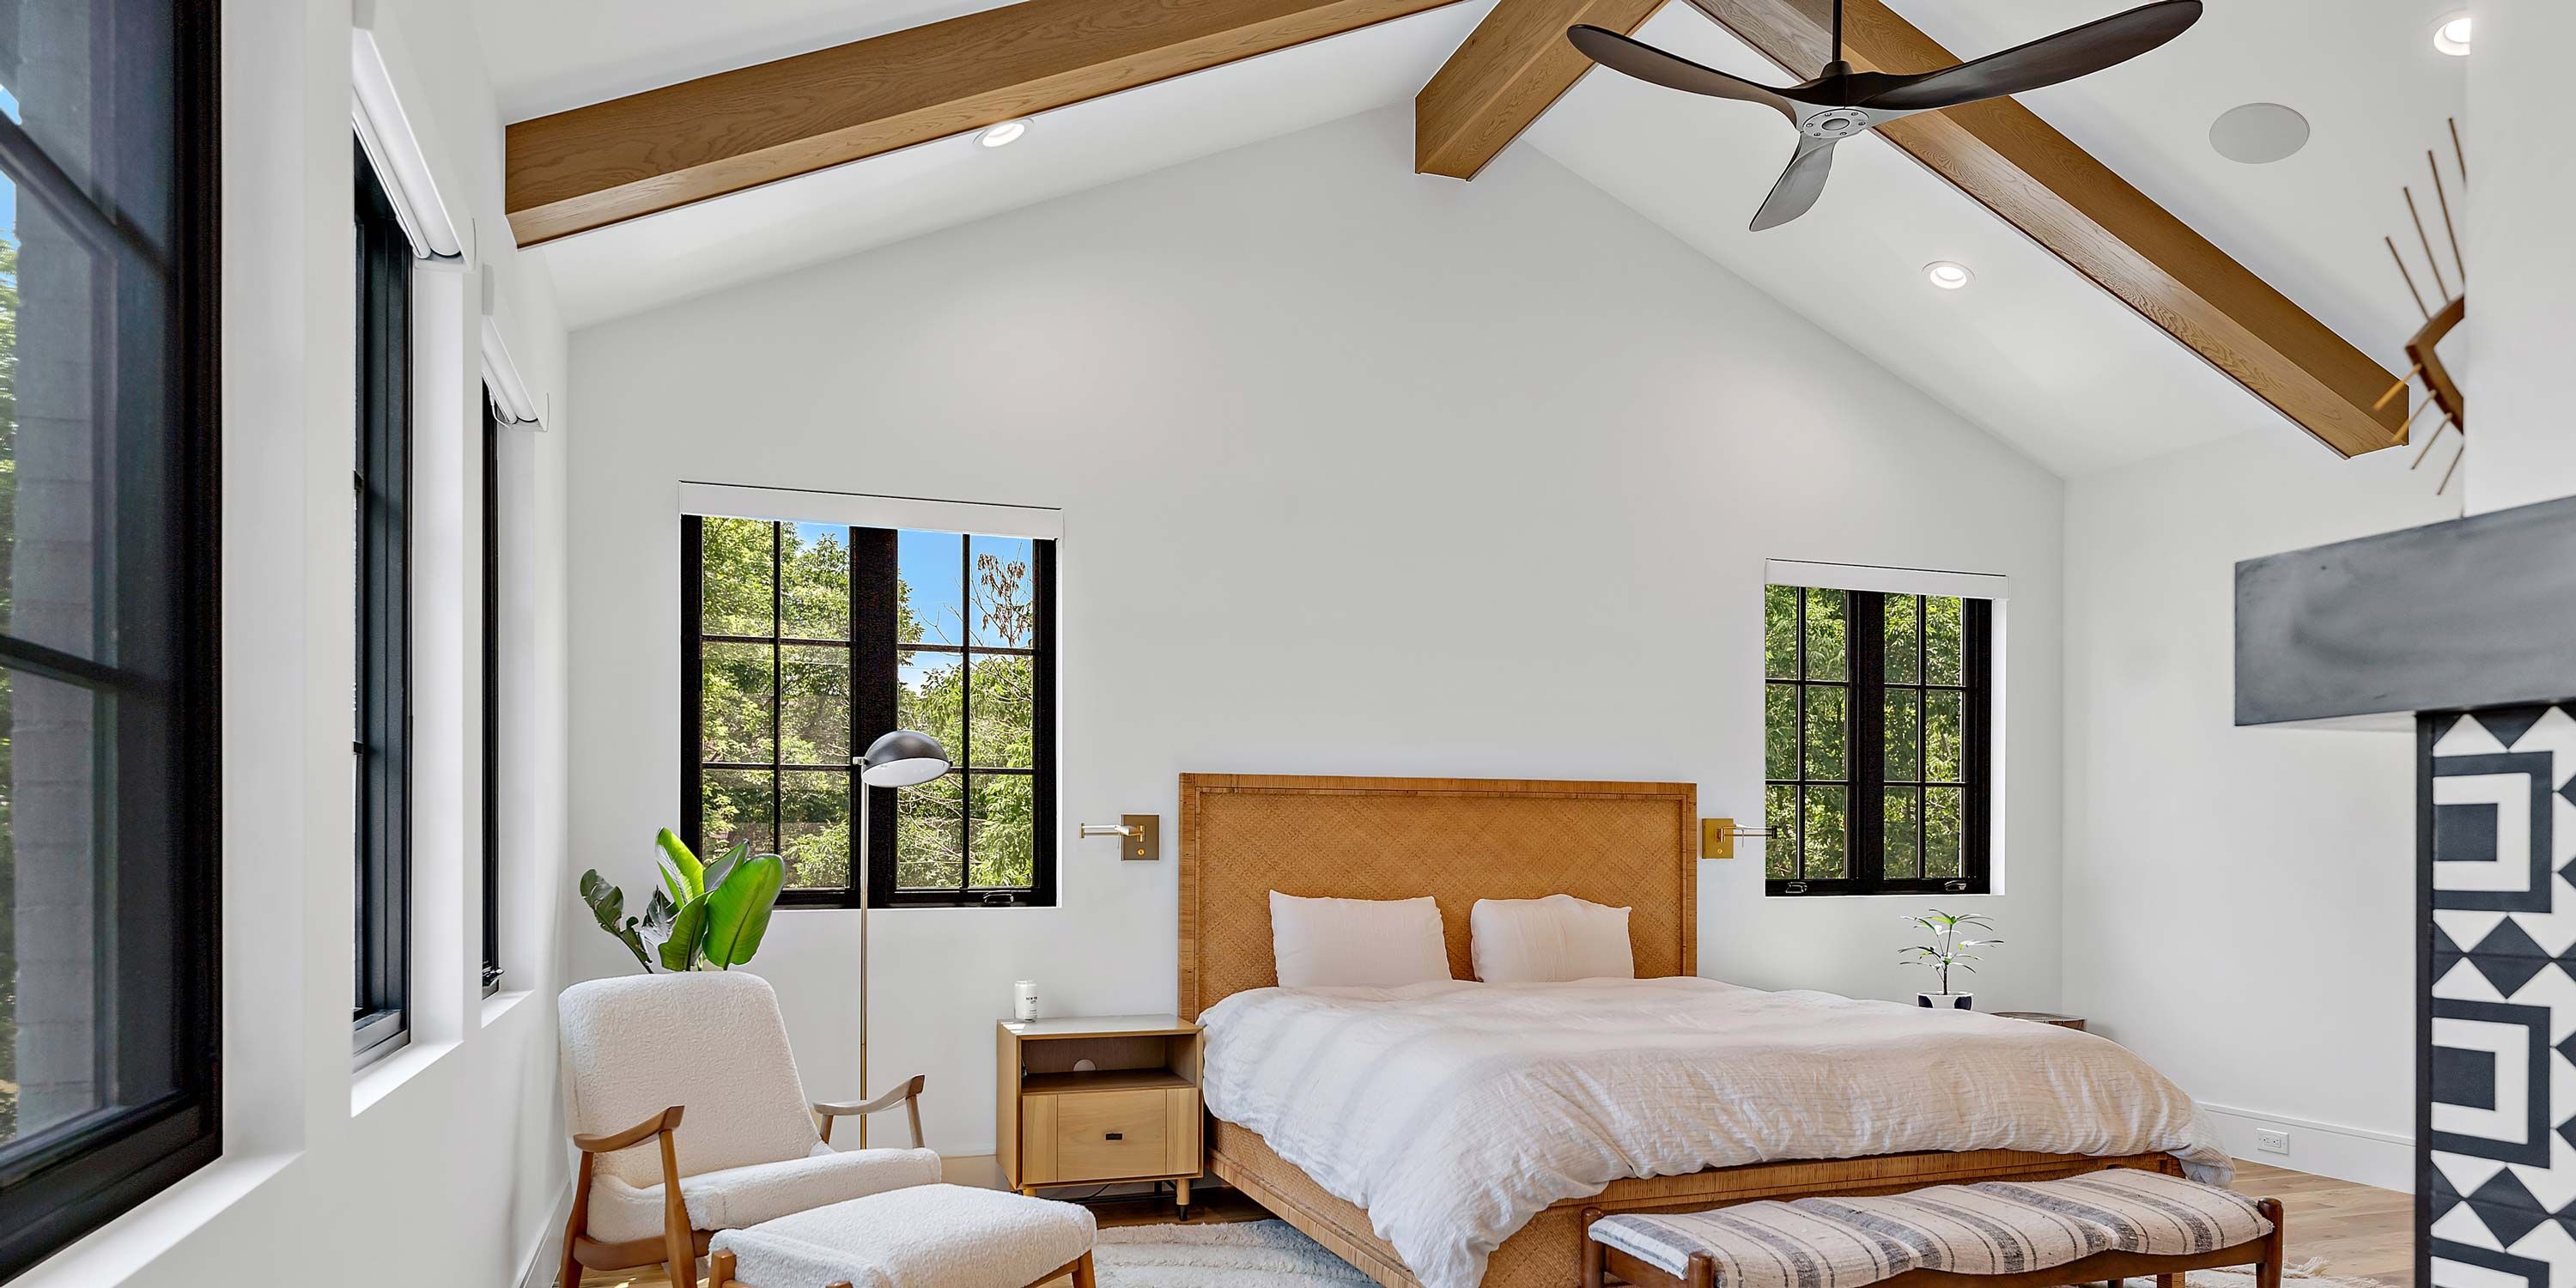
(1458, 840)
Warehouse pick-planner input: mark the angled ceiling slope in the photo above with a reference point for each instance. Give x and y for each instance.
(1998, 152)
(645, 263)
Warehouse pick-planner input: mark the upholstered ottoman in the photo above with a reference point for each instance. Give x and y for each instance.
(927, 1236)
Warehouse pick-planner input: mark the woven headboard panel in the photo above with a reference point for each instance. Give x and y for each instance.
(1455, 839)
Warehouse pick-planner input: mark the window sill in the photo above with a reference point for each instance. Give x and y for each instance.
(500, 1004)
(379, 1080)
(1885, 894)
(126, 1246)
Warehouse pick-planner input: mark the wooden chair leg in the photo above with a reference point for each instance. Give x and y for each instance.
(575, 1223)
(1083, 1275)
(719, 1269)
(682, 1251)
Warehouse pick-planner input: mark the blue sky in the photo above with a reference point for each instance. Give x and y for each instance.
(8, 190)
(930, 563)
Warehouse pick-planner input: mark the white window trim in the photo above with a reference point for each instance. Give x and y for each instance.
(861, 510)
(1892, 581)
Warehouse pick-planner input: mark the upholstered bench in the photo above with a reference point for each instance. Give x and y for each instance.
(927, 1236)
(2105, 1225)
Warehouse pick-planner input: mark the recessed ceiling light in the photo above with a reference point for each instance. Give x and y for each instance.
(1946, 275)
(1003, 135)
(2451, 34)
(2258, 133)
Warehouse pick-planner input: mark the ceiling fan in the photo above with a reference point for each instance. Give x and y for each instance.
(1843, 103)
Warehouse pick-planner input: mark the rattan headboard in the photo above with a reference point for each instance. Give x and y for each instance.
(1455, 839)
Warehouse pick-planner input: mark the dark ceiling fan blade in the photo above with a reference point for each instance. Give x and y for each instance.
(1647, 63)
(1799, 185)
(2077, 51)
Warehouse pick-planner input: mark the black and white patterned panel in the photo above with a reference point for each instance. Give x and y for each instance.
(2497, 1181)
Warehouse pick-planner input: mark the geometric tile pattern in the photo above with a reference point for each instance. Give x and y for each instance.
(2496, 1158)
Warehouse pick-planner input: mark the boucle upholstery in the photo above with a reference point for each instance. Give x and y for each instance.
(744, 1196)
(927, 1236)
(1992, 1228)
(711, 1042)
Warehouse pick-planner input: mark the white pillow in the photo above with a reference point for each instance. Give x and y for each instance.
(1549, 941)
(1363, 943)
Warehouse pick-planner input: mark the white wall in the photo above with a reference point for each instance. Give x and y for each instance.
(1363, 472)
(2238, 900)
(444, 1164)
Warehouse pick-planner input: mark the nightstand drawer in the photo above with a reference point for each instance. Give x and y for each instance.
(1111, 1133)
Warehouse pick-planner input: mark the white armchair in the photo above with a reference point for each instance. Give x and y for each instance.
(698, 1064)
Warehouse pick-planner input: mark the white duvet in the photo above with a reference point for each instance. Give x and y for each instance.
(1453, 1112)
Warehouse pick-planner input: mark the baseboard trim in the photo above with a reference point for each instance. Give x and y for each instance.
(2323, 1149)
(539, 1272)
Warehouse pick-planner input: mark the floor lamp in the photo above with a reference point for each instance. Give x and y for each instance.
(904, 758)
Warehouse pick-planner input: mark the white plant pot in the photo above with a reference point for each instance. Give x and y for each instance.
(1947, 1001)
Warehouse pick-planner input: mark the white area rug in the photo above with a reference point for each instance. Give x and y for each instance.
(1272, 1254)
(1240, 1254)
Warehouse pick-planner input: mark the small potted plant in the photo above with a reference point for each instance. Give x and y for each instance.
(1949, 947)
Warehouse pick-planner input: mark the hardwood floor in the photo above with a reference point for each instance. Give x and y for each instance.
(2363, 1233)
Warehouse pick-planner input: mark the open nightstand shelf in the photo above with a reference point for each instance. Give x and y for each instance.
(1099, 1100)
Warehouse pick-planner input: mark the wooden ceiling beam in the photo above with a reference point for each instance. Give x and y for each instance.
(664, 148)
(1999, 153)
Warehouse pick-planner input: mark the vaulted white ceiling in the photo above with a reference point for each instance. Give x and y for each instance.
(2031, 349)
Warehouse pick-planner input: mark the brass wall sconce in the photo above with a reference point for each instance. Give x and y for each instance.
(1142, 833)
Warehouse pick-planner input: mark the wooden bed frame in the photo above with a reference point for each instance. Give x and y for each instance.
(1459, 840)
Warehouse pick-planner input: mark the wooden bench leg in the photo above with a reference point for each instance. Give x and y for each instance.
(1083, 1275)
(1703, 1271)
(719, 1269)
(2267, 1273)
(1591, 1250)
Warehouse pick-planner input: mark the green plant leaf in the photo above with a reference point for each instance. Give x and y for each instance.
(608, 905)
(688, 926)
(682, 875)
(738, 909)
(724, 865)
(656, 928)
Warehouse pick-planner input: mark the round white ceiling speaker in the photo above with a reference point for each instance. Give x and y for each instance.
(2451, 34)
(2258, 133)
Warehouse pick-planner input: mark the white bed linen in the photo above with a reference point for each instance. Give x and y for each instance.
(1453, 1112)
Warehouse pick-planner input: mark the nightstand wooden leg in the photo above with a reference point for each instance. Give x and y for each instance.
(1028, 1191)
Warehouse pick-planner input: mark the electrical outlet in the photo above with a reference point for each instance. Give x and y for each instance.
(2271, 1140)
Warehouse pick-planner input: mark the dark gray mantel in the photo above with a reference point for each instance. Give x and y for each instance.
(2476, 612)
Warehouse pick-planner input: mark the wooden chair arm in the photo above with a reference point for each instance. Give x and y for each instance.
(907, 1095)
(844, 1108)
(667, 1120)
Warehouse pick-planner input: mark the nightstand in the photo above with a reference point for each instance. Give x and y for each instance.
(1099, 1099)
(2075, 1022)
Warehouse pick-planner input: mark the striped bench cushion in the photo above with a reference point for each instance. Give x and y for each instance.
(1994, 1228)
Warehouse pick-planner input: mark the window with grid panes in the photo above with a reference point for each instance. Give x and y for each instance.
(1875, 742)
(804, 642)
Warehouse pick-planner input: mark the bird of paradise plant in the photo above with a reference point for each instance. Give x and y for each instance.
(708, 916)
(1948, 948)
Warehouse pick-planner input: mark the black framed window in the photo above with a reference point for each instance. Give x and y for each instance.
(381, 490)
(1876, 754)
(109, 618)
(491, 698)
(804, 642)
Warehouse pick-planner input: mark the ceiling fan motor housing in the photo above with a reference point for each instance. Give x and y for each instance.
(1834, 123)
